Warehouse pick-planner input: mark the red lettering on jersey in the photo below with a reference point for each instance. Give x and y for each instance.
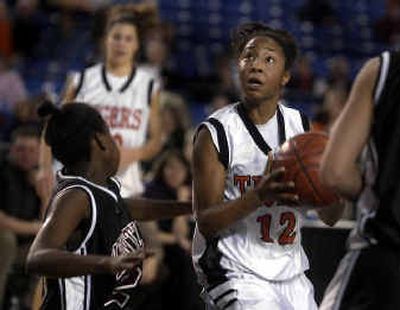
(136, 119)
(125, 117)
(241, 181)
(289, 233)
(114, 117)
(265, 225)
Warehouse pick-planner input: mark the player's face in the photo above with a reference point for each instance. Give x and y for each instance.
(175, 172)
(262, 70)
(122, 43)
(110, 153)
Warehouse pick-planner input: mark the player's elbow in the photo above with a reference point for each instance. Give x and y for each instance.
(32, 264)
(205, 225)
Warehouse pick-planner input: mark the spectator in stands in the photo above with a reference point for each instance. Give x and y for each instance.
(6, 47)
(387, 28)
(27, 26)
(319, 12)
(227, 82)
(332, 105)
(20, 205)
(171, 180)
(303, 78)
(219, 101)
(12, 87)
(174, 120)
(338, 76)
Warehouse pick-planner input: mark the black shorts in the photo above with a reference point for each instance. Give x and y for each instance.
(366, 279)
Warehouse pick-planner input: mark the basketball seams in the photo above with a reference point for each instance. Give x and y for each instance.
(303, 168)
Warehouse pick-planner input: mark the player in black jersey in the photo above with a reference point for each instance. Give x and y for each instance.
(367, 133)
(89, 248)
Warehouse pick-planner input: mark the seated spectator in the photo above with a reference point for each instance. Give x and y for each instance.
(302, 79)
(20, 205)
(6, 47)
(171, 180)
(333, 103)
(319, 12)
(174, 120)
(12, 86)
(219, 101)
(387, 28)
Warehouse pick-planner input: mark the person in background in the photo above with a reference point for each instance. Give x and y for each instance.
(20, 207)
(171, 180)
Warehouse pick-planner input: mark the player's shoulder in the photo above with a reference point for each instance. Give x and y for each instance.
(295, 118)
(225, 114)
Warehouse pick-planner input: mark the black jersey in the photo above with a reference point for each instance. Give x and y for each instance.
(109, 231)
(381, 224)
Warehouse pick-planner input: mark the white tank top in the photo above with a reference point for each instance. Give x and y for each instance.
(124, 103)
(266, 243)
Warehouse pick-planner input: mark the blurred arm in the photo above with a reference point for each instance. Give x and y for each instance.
(153, 210)
(339, 168)
(153, 143)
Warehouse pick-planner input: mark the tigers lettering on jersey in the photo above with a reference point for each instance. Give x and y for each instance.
(121, 117)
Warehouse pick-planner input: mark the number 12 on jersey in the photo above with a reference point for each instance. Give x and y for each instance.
(286, 219)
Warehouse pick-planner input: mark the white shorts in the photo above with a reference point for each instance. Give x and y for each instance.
(252, 293)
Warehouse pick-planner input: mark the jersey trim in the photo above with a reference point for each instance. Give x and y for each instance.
(80, 83)
(305, 122)
(150, 92)
(255, 133)
(223, 154)
(210, 264)
(382, 75)
(68, 177)
(124, 86)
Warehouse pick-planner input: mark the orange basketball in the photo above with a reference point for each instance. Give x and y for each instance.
(301, 157)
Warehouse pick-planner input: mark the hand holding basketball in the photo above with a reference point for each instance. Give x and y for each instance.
(301, 158)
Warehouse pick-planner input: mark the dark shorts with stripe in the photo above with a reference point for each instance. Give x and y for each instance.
(366, 279)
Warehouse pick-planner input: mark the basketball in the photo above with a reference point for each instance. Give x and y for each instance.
(301, 157)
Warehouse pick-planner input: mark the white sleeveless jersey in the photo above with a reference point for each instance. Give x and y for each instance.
(124, 107)
(266, 243)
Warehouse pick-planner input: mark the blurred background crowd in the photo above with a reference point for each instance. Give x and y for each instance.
(42, 41)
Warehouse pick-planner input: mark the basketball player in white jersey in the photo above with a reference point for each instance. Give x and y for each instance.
(247, 245)
(125, 94)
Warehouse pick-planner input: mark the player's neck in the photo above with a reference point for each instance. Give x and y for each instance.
(119, 69)
(262, 112)
(92, 174)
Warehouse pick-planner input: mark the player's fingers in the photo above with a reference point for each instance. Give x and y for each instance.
(275, 174)
(282, 186)
(290, 199)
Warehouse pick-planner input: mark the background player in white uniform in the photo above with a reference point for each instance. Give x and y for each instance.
(125, 94)
(247, 249)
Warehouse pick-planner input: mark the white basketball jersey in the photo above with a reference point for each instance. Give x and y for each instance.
(267, 242)
(124, 104)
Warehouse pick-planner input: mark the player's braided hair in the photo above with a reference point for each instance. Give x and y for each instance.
(69, 130)
(247, 31)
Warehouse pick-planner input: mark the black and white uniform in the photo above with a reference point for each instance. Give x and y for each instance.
(109, 231)
(258, 262)
(368, 277)
(124, 103)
